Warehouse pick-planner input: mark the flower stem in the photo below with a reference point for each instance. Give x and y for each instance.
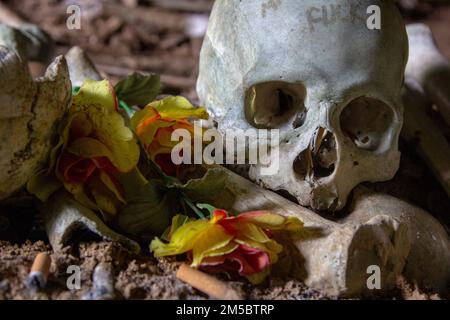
(130, 112)
(191, 205)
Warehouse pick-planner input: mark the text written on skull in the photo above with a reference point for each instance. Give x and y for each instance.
(328, 15)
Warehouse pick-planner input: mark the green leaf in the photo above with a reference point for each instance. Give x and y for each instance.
(211, 188)
(212, 183)
(150, 210)
(138, 89)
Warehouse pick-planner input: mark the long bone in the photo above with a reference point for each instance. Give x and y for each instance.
(421, 131)
(429, 67)
(335, 255)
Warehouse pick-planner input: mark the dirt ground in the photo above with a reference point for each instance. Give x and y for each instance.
(123, 36)
(137, 277)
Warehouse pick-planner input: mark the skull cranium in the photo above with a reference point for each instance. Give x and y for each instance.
(317, 72)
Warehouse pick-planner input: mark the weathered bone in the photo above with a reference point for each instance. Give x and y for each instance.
(29, 111)
(80, 67)
(428, 262)
(429, 67)
(336, 255)
(421, 131)
(64, 217)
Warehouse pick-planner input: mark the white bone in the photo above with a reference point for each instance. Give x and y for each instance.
(429, 67)
(80, 67)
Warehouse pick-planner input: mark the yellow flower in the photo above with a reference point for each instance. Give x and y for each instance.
(155, 123)
(242, 244)
(94, 147)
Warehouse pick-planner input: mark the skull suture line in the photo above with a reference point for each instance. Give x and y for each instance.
(314, 70)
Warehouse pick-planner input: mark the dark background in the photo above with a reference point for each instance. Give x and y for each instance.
(153, 35)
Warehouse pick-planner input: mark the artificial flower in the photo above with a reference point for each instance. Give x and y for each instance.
(242, 244)
(94, 148)
(155, 124)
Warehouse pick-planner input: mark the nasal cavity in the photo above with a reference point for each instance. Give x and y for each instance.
(319, 159)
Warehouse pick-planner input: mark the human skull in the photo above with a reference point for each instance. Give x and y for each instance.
(314, 70)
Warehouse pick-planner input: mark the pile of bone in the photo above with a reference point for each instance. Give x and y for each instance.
(334, 88)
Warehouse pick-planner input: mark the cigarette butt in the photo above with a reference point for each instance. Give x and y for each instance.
(103, 281)
(37, 279)
(207, 284)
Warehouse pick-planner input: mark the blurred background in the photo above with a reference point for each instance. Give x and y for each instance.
(161, 36)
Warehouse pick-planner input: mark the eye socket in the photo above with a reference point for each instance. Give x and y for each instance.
(270, 105)
(367, 122)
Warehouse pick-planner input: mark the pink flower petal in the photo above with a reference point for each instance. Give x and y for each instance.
(244, 260)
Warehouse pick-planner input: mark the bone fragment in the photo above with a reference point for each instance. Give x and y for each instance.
(28, 112)
(80, 67)
(420, 130)
(429, 67)
(64, 217)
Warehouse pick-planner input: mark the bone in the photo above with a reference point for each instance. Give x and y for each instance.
(429, 67)
(421, 132)
(64, 218)
(80, 67)
(29, 41)
(336, 255)
(428, 262)
(28, 111)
